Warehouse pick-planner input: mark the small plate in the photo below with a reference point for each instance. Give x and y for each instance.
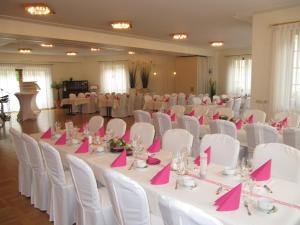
(229, 171)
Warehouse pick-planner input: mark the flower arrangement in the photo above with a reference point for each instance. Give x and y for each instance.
(118, 145)
(145, 73)
(132, 69)
(212, 87)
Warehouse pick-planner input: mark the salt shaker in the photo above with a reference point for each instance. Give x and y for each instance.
(203, 165)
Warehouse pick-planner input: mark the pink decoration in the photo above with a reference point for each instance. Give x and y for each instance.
(250, 119)
(284, 122)
(198, 158)
(155, 147)
(231, 200)
(120, 161)
(82, 128)
(238, 124)
(173, 117)
(192, 113)
(221, 102)
(201, 120)
(216, 116)
(152, 161)
(169, 112)
(126, 137)
(62, 140)
(263, 172)
(163, 176)
(205, 102)
(84, 147)
(47, 134)
(101, 132)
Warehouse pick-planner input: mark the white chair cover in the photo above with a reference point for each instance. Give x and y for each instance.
(216, 99)
(40, 187)
(120, 107)
(258, 115)
(143, 130)
(172, 100)
(148, 103)
(142, 116)
(190, 99)
(102, 104)
(138, 103)
(224, 111)
(24, 169)
(176, 140)
(63, 199)
(181, 99)
(178, 213)
(117, 126)
(206, 99)
(191, 124)
(129, 200)
(285, 160)
(223, 127)
(131, 104)
(197, 101)
(94, 204)
(291, 136)
(237, 107)
(201, 110)
(178, 110)
(229, 103)
(162, 123)
(81, 95)
(71, 95)
(293, 118)
(74, 107)
(224, 149)
(95, 123)
(245, 104)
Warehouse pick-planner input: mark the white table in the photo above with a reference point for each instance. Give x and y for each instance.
(28, 107)
(204, 195)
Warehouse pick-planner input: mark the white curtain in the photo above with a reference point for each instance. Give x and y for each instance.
(285, 83)
(114, 77)
(239, 75)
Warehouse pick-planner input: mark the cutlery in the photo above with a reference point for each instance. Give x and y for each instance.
(268, 189)
(219, 190)
(273, 210)
(176, 185)
(130, 167)
(247, 207)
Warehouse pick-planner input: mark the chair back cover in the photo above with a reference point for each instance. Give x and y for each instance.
(81, 95)
(181, 99)
(143, 130)
(258, 115)
(20, 147)
(237, 107)
(172, 100)
(201, 110)
(148, 102)
(95, 123)
(178, 110)
(71, 95)
(223, 127)
(206, 99)
(191, 99)
(229, 103)
(224, 149)
(291, 137)
(175, 140)
(117, 126)
(128, 198)
(293, 118)
(196, 101)
(285, 160)
(142, 116)
(162, 123)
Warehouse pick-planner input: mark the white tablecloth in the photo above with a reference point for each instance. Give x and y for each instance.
(204, 195)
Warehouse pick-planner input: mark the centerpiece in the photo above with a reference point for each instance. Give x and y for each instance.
(117, 145)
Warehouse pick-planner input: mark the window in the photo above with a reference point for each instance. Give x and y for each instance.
(239, 75)
(113, 77)
(296, 74)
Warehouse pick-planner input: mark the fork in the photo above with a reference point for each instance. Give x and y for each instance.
(247, 207)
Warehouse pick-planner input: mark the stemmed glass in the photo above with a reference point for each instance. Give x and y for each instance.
(57, 127)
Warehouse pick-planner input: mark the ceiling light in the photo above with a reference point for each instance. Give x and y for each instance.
(154, 73)
(38, 9)
(25, 50)
(71, 53)
(47, 45)
(95, 49)
(121, 25)
(180, 36)
(131, 53)
(217, 43)
(174, 73)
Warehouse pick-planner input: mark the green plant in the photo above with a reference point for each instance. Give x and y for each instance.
(57, 86)
(145, 74)
(132, 69)
(212, 87)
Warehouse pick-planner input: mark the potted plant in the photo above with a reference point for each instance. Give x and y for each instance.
(212, 88)
(132, 69)
(57, 86)
(145, 74)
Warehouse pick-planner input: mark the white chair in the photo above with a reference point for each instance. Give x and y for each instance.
(71, 95)
(197, 101)
(223, 127)
(206, 99)
(24, 169)
(131, 103)
(237, 107)
(63, 199)
(178, 213)
(181, 99)
(129, 201)
(120, 107)
(40, 183)
(143, 130)
(148, 103)
(229, 103)
(81, 95)
(293, 119)
(95, 123)
(172, 100)
(191, 124)
(176, 140)
(74, 107)
(190, 100)
(245, 104)
(142, 116)
(216, 99)
(285, 160)
(224, 111)
(258, 115)
(260, 134)
(138, 102)
(291, 136)
(94, 204)
(102, 105)
(178, 110)
(162, 123)
(224, 149)
(117, 126)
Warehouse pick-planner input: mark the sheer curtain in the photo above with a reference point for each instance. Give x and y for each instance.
(285, 83)
(113, 77)
(239, 75)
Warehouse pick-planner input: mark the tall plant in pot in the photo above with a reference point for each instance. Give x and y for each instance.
(57, 86)
(132, 69)
(212, 88)
(145, 74)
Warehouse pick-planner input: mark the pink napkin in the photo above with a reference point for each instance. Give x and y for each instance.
(205, 102)
(238, 124)
(120, 161)
(84, 147)
(231, 200)
(250, 119)
(81, 129)
(155, 147)
(47, 134)
(198, 158)
(162, 177)
(192, 113)
(126, 136)
(152, 161)
(169, 112)
(173, 117)
(201, 120)
(220, 102)
(284, 122)
(216, 116)
(62, 140)
(101, 132)
(263, 172)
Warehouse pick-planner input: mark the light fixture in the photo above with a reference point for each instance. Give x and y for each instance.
(179, 36)
(174, 73)
(121, 25)
(95, 49)
(38, 9)
(24, 50)
(131, 53)
(71, 53)
(154, 73)
(47, 45)
(217, 43)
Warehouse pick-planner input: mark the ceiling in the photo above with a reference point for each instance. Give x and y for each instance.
(203, 20)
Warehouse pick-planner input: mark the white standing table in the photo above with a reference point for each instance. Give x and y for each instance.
(28, 107)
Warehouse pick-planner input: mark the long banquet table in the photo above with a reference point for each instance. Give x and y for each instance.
(286, 194)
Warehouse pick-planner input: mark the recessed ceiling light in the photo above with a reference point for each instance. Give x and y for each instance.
(174, 73)
(217, 43)
(121, 25)
(38, 9)
(154, 73)
(47, 45)
(71, 53)
(131, 53)
(25, 50)
(95, 49)
(179, 36)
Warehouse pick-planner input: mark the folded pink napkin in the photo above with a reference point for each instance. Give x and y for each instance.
(84, 147)
(250, 119)
(101, 132)
(284, 122)
(216, 116)
(238, 124)
(126, 136)
(205, 102)
(62, 140)
(263, 172)
(169, 112)
(220, 102)
(47, 134)
(201, 120)
(192, 113)
(155, 147)
(173, 117)
(152, 161)
(120, 161)
(231, 200)
(81, 129)
(166, 100)
(163, 176)
(208, 153)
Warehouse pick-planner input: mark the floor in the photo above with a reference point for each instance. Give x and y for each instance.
(14, 208)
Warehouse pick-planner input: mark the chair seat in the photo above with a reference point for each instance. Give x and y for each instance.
(156, 220)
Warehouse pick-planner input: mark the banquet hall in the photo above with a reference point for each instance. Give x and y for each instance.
(150, 112)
